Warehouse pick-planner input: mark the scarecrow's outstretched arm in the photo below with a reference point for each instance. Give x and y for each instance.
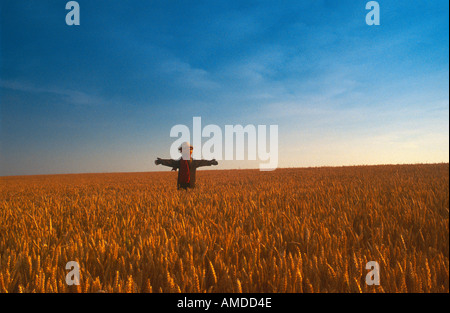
(168, 162)
(199, 163)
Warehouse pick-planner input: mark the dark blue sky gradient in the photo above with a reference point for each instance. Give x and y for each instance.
(103, 96)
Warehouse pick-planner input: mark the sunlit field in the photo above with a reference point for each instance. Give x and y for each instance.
(290, 230)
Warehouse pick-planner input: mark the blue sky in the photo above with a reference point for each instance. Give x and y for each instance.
(103, 96)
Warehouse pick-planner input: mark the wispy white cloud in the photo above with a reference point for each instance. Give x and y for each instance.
(186, 75)
(71, 96)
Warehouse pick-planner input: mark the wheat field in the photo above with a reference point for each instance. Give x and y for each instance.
(290, 230)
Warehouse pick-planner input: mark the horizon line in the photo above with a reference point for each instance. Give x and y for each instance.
(232, 169)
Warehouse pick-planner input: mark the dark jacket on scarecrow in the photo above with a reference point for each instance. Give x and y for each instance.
(186, 168)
